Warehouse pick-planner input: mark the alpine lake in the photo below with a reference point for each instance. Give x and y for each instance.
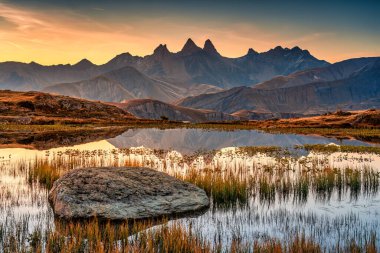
(268, 193)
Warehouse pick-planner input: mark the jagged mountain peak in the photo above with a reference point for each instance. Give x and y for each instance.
(252, 52)
(297, 49)
(84, 63)
(190, 47)
(161, 48)
(277, 51)
(278, 48)
(209, 47)
(281, 51)
(161, 51)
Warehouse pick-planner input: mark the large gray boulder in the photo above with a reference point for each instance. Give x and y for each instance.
(123, 193)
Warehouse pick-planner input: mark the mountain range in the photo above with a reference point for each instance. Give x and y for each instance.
(162, 75)
(350, 85)
(199, 84)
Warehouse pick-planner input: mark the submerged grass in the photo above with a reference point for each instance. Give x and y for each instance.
(269, 150)
(320, 184)
(300, 244)
(44, 173)
(225, 189)
(92, 236)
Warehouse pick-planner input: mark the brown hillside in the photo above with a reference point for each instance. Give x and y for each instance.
(339, 119)
(43, 108)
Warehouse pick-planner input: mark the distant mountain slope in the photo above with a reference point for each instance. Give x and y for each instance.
(333, 72)
(153, 109)
(98, 88)
(33, 76)
(353, 84)
(190, 66)
(127, 83)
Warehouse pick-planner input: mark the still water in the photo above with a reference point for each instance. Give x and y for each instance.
(328, 215)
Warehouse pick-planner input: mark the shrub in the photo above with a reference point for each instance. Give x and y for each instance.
(26, 104)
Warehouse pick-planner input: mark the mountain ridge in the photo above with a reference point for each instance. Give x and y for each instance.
(353, 85)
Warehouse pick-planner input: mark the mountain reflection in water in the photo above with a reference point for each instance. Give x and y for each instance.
(191, 140)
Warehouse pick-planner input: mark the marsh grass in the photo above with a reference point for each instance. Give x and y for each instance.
(93, 236)
(225, 189)
(229, 188)
(273, 186)
(269, 150)
(301, 189)
(300, 244)
(267, 190)
(44, 173)
(371, 181)
(342, 148)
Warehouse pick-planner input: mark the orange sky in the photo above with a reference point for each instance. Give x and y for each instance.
(64, 36)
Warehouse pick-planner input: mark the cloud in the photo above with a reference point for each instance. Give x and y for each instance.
(60, 36)
(22, 20)
(55, 21)
(5, 24)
